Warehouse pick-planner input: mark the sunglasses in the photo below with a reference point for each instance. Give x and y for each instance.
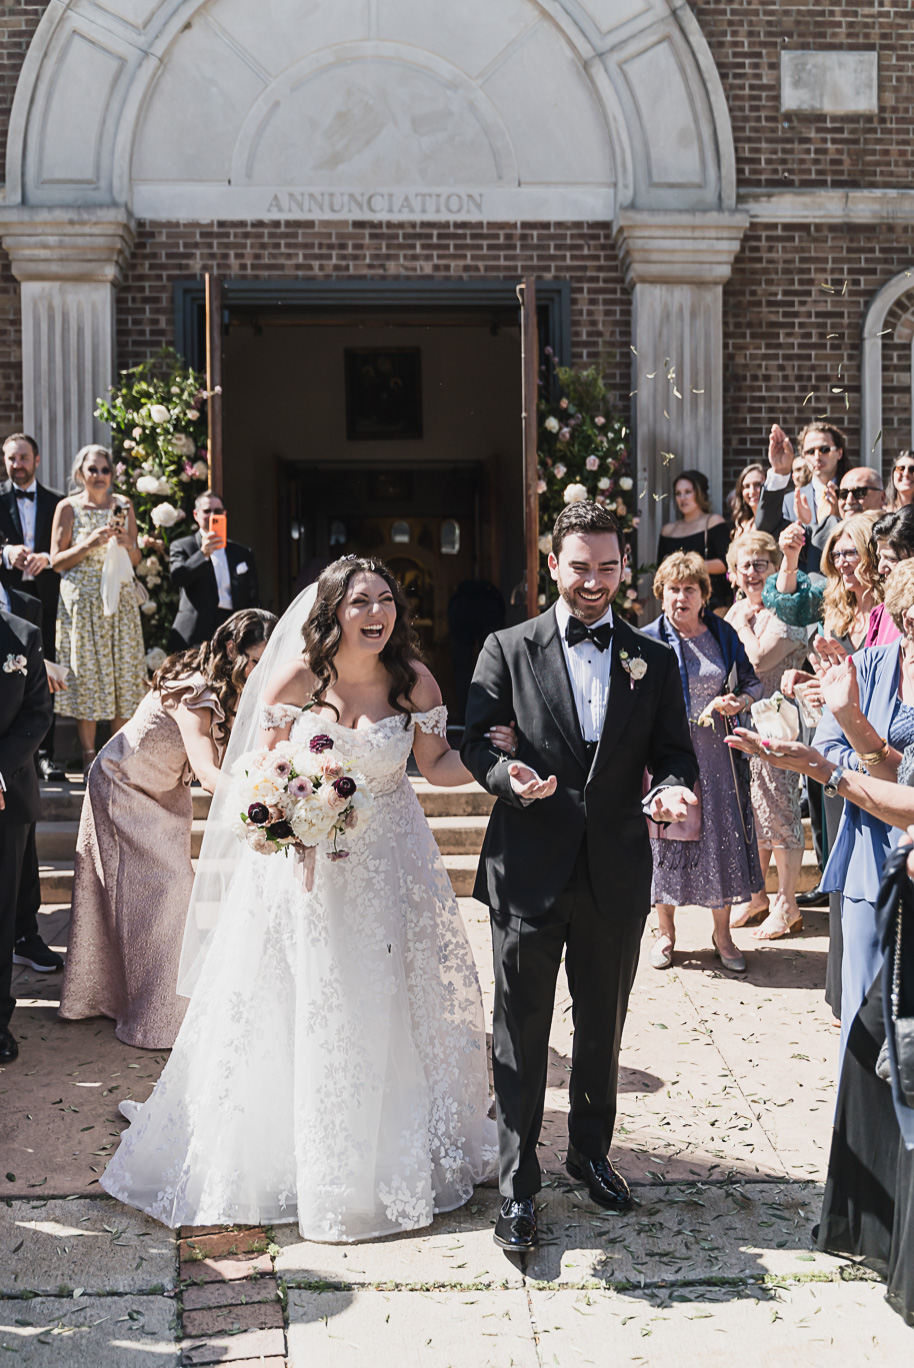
(858, 491)
(852, 555)
(822, 450)
(904, 470)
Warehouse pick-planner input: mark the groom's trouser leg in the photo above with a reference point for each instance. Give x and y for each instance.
(601, 960)
(526, 957)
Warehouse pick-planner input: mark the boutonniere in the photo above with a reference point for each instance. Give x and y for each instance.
(634, 667)
(15, 664)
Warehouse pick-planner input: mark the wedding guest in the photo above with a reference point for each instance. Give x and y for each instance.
(892, 543)
(103, 652)
(860, 491)
(133, 873)
(800, 473)
(215, 580)
(822, 446)
(771, 648)
(869, 723)
(902, 491)
(868, 1206)
(718, 682)
(26, 516)
(744, 498)
(25, 715)
(698, 529)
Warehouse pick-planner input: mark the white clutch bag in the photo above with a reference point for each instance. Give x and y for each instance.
(776, 718)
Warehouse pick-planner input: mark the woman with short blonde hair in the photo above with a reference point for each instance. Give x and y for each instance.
(682, 567)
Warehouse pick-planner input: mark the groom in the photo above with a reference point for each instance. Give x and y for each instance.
(566, 865)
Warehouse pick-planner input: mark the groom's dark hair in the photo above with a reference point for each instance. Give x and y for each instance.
(584, 517)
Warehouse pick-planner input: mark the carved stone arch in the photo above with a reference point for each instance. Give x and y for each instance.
(570, 80)
(898, 290)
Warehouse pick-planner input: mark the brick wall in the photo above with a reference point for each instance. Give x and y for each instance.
(786, 335)
(581, 253)
(804, 150)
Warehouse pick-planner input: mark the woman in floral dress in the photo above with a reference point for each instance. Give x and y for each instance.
(103, 653)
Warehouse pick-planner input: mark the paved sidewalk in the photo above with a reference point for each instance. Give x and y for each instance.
(725, 1109)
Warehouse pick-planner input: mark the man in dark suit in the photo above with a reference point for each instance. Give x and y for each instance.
(26, 517)
(566, 865)
(215, 580)
(29, 947)
(822, 446)
(25, 715)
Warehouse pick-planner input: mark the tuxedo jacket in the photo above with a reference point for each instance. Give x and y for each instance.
(46, 588)
(198, 606)
(530, 851)
(26, 711)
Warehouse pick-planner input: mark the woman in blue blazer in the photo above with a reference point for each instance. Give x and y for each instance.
(869, 723)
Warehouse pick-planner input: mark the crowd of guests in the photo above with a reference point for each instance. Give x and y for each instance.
(817, 607)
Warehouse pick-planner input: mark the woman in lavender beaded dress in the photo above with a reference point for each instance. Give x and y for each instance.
(722, 866)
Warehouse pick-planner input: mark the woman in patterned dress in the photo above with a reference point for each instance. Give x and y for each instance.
(104, 654)
(772, 647)
(339, 998)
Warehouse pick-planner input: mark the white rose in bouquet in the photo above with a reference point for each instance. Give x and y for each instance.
(201, 470)
(154, 658)
(625, 482)
(147, 484)
(575, 493)
(165, 515)
(159, 413)
(182, 445)
(551, 424)
(776, 718)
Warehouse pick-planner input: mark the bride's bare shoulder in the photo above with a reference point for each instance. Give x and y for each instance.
(426, 694)
(291, 683)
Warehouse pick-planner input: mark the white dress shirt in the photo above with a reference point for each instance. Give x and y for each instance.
(223, 577)
(589, 670)
(27, 509)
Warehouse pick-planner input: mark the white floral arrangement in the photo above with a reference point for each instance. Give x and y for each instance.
(298, 794)
(776, 718)
(15, 664)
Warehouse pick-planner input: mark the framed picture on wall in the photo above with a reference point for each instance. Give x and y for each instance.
(383, 393)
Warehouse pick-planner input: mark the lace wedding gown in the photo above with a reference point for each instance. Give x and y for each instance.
(331, 1067)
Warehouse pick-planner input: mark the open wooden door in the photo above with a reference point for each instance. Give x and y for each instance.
(214, 379)
(526, 293)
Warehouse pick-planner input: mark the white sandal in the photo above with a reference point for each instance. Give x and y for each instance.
(662, 952)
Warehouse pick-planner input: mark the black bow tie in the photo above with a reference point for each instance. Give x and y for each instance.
(25, 494)
(577, 632)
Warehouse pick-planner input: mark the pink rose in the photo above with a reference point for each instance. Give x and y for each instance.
(564, 434)
(541, 486)
(592, 463)
(329, 767)
(599, 420)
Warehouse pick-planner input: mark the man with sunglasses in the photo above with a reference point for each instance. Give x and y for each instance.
(822, 447)
(861, 491)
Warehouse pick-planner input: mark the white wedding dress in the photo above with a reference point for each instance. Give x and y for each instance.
(331, 1067)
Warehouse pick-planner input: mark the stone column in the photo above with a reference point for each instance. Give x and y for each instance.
(69, 263)
(676, 265)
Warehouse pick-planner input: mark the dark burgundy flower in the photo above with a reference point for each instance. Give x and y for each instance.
(345, 787)
(337, 854)
(279, 831)
(317, 744)
(259, 814)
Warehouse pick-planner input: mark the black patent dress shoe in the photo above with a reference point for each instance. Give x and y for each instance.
(814, 898)
(606, 1187)
(516, 1224)
(32, 950)
(50, 770)
(8, 1047)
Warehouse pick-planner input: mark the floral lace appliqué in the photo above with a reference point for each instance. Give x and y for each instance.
(275, 716)
(435, 720)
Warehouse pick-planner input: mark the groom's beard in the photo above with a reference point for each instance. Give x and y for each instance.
(586, 610)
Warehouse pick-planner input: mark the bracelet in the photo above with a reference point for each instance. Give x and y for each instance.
(876, 757)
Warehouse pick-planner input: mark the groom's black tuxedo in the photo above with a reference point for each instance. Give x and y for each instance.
(570, 873)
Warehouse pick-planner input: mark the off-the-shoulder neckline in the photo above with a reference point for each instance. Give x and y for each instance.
(380, 722)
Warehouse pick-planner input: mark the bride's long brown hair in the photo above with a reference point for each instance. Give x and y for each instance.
(322, 633)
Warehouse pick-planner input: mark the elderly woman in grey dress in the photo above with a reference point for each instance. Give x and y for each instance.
(772, 647)
(721, 867)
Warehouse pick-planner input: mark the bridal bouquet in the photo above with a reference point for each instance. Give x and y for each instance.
(297, 794)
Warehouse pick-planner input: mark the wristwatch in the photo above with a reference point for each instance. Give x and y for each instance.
(830, 789)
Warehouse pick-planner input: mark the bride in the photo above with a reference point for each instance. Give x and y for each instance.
(331, 1067)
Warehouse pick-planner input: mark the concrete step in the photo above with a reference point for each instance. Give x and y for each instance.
(56, 881)
(63, 802)
(462, 873)
(57, 840)
(459, 835)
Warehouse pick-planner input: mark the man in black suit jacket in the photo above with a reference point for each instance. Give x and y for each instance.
(26, 517)
(25, 715)
(215, 581)
(566, 865)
